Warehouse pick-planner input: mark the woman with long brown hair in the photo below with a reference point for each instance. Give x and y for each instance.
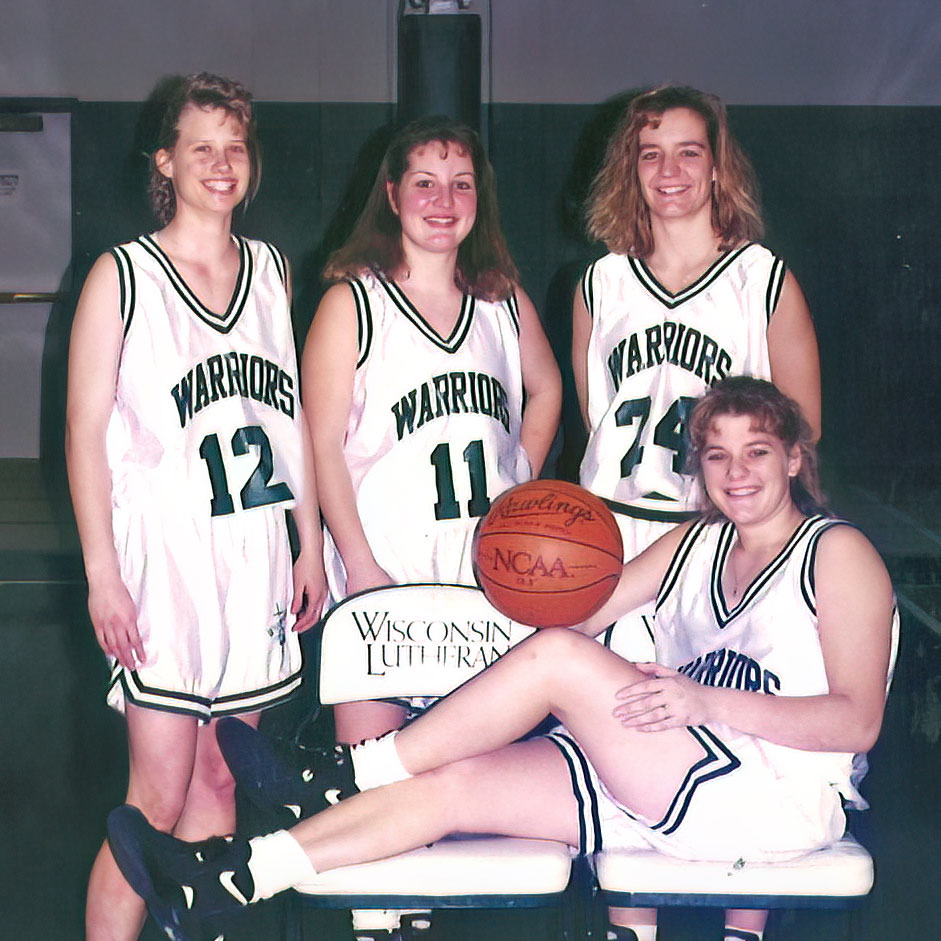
(429, 383)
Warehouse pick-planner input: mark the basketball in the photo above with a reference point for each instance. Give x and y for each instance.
(548, 554)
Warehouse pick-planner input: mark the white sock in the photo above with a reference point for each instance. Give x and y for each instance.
(642, 932)
(375, 919)
(376, 762)
(742, 934)
(278, 862)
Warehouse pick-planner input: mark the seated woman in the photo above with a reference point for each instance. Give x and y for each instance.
(774, 632)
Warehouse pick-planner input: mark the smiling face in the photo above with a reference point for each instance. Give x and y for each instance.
(436, 199)
(675, 165)
(209, 164)
(747, 471)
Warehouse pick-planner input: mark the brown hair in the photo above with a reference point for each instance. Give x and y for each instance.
(207, 91)
(774, 413)
(484, 265)
(616, 211)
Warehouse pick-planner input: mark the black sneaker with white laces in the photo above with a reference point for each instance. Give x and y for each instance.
(287, 783)
(182, 883)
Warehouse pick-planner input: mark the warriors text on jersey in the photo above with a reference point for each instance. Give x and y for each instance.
(745, 798)
(651, 354)
(766, 643)
(434, 430)
(205, 449)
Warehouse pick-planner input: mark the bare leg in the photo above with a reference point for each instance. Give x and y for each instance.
(748, 919)
(467, 778)
(209, 808)
(574, 678)
(356, 721)
(632, 917)
(162, 749)
(520, 790)
(180, 781)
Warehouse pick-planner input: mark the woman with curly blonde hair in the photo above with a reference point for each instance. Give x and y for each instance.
(685, 297)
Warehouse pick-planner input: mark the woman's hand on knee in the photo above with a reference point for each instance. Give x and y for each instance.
(666, 700)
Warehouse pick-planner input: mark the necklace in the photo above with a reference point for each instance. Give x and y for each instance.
(740, 573)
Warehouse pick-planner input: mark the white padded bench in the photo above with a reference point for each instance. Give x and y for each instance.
(468, 872)
(836, 877)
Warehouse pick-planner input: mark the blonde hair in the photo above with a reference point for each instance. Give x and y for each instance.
(616, 211)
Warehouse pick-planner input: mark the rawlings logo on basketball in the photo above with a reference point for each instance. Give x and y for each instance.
(548, 505)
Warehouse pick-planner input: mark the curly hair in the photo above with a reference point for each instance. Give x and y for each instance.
(204, 90)
(774, 413)
(485, 267)
(616, 212)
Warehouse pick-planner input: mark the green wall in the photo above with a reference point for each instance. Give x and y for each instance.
(849, 198)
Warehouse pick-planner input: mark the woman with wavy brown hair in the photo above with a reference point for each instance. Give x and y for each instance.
(429, 381)
(186, 446)
(429, 384)
(685, 297)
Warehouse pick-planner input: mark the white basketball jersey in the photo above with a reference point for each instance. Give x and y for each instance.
(205, 449)
(206, 410)
(766, 643)
(434, 428)
(651, 354)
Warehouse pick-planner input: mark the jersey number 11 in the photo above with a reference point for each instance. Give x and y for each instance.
(447, 507)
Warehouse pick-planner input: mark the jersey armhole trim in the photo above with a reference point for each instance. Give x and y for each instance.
(280, 262)
(775, 284)
(127, 285)
(808, 581)
(678, 562)
(588, 294)
(513, 309)
(364, 329)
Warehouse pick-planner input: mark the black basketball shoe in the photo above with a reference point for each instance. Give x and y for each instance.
(287, 783)
(182, 883)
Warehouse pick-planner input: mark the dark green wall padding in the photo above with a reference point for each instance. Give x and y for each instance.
(849, 203)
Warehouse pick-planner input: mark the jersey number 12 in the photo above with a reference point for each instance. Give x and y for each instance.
(258, 489)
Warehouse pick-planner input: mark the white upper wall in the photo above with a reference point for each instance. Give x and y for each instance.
(553, 51)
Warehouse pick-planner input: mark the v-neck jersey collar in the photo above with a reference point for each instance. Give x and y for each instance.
(462, 326)
(222, 322)
(672, 300)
